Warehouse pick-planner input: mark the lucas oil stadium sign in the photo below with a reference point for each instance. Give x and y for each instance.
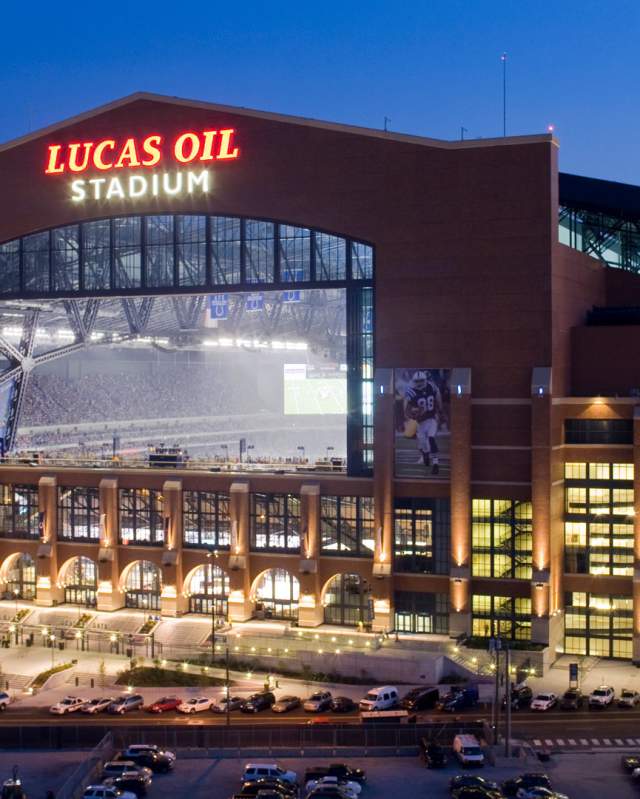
(137, 157)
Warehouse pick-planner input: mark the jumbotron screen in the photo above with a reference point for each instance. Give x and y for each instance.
(312, 389)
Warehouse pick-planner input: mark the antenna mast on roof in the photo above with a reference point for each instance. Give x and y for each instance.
(503, 58)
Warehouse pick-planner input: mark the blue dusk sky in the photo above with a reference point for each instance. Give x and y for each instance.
(432, 67)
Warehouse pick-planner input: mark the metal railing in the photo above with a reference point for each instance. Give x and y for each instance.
(88, 770)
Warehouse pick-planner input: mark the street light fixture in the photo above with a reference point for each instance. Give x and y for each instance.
(329, 449)
(249, 446)
(213, 553)
(52, 638)
(301, 449)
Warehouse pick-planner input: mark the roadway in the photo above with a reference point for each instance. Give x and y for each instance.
(584, 723)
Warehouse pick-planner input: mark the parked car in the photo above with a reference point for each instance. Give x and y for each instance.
(573, 699)
(628, 698)
(424, 698)
(166, 703)
(472, 781)
(343, 704)
(195, 705)
(540, 793)
(98, 705)
(521, 696)
(603, 696)
(134, 783)
(350, 787)
(525, 781)
(544, 701)
(106, 792)
(433, 754)
(283, 790)
(630, 762)
(126, 703)
(67, 705)
(467, 750)
(459, 698)
(340, 770)
(220, 705)
(136, 749)
(149, 755)
(257, 702)
(5, 700)
(117, 768)
(285, 704)
(258, 771)
(472, 792)
(320, 700)
(383, 698)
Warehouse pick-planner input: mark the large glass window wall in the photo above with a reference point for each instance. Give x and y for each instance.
(598, 625)
(19, 515)
(501, 538)
(275, 522)
(206, 520)
(178, 250)
(422, 536)
(141, 519)
(346, 525)
(79, 513)
(599, 518)
(501, 616)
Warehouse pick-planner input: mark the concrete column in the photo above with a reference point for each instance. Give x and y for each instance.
(460, 486)
(47, 591)
(172, 601)
(240, 604)
(545, 569)
(636, 532)
(383, 492)
(310, 610)
(110, 597)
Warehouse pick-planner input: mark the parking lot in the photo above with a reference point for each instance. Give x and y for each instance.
(587, 776)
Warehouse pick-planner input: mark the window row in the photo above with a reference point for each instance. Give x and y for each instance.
(167, 250)
(598, 431)
(598, 471)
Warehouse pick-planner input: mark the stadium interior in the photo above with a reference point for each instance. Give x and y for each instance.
(258, 378)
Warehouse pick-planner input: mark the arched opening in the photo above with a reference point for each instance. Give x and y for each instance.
(208, 590)
(19, 574)
(277, 594)
(143, 585)
(79, 576)
(347, 600)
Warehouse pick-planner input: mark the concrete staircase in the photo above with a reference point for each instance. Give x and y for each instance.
(14, 682)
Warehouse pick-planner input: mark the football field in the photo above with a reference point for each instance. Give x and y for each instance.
(319, 396)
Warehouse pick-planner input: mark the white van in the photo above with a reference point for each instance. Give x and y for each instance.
(467, 749)
(385, 698)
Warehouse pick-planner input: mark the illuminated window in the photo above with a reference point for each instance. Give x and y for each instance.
(208, 591)
(422, 536)
(143, 586)
(206, 520)
(598, 625)
(79, 513)
(141, 519)
(19, 514)
(501, 538)
(275, 522)
(421, 612)
(622, 471)
(80, 582)
(576, 471)
(599, 521)
(346, 525)
(501, 616)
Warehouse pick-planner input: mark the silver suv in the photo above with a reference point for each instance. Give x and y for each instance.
(603, 696)
(125, 703)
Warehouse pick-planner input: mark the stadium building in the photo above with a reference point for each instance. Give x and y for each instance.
(265, 367)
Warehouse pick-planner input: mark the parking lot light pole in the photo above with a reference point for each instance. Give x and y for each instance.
(226, 682)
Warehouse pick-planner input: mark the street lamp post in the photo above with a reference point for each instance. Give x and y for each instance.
(213, 553)
(249, 446)
(226, 682)
(16, 594)
(301, 449)
(52, 638)
(329, 449)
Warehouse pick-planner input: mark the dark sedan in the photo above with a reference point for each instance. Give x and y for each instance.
(525, 781)
(257, 702)
(342, 704)
(472, 781)
(573, 699)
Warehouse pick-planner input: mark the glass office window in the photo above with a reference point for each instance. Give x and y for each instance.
(501, 538)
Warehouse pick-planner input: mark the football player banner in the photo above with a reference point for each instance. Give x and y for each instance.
(422, 434)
